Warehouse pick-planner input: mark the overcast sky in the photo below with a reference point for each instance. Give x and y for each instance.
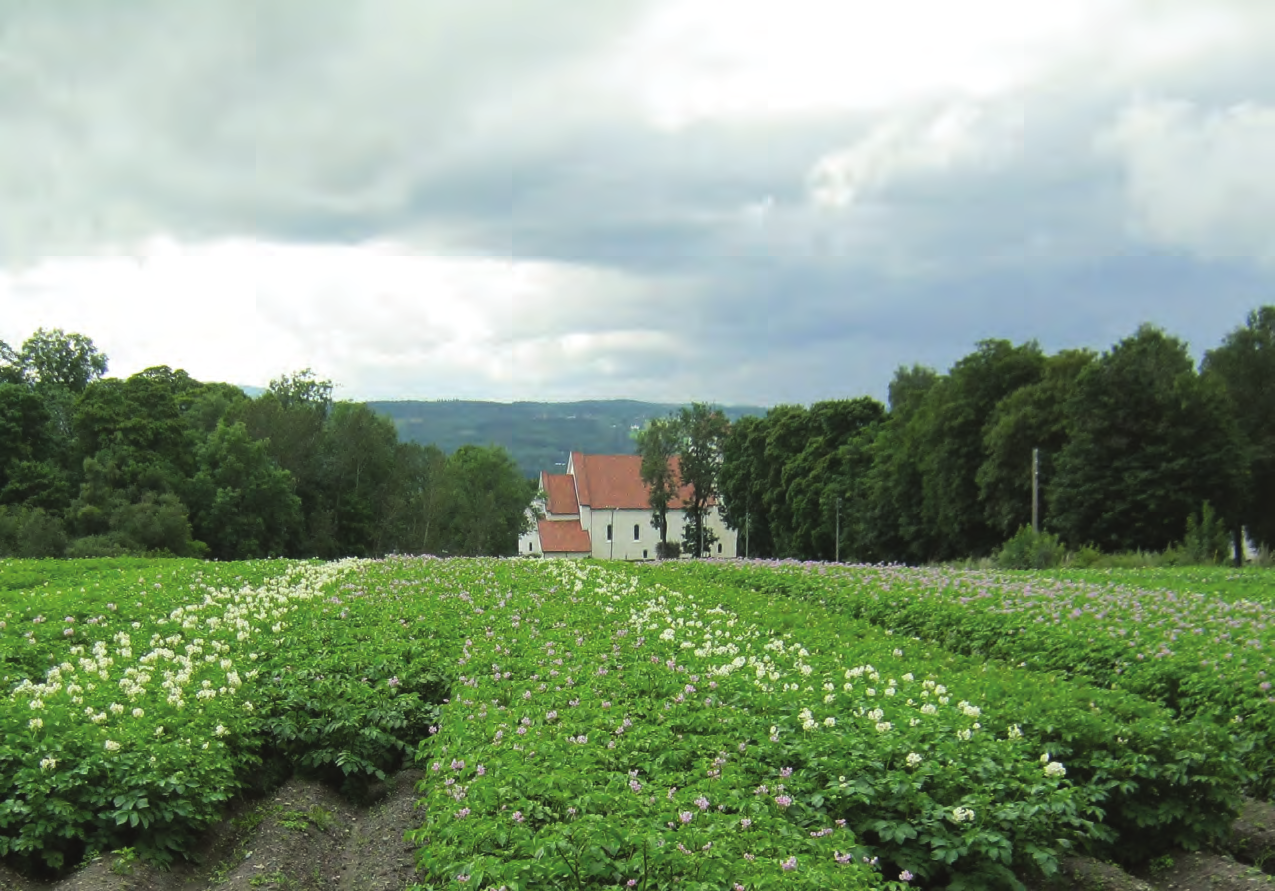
(742, 201)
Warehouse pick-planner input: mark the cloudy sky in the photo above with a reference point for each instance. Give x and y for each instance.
(744, 201)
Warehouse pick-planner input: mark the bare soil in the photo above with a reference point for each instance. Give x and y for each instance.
(306, 837)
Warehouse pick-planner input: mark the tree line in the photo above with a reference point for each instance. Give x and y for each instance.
(1138, 449)
(160, 463)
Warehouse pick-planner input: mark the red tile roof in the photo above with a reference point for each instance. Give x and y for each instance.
(563, 537)
(615, 481)
(560, 493)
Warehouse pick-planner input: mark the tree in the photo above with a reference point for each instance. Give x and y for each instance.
(291, 418)
(788, 429)
(55, 359)
(303, 389)
(413, 513)
(657, 444)
(908, 387)
(487, 505)
(949, 427)
(1031, 417)
(703, 431)
(742, 483)
(357, 462)
(140, 420)
(1245, 366)
(11, 370)
(1151, 441)
(242, 503)
(24, 432)
(821, 475)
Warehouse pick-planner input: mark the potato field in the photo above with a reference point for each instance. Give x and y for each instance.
(716, 725)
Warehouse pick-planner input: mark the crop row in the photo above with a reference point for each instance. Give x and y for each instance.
(1201, 654)
(136, 706)
(579, 725)
(613, 727)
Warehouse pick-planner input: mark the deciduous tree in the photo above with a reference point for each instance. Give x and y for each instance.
(657, 444)
(1151, 441)
(1245, 365)
(703, 432)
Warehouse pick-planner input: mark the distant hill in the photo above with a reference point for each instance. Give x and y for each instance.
(539, 435)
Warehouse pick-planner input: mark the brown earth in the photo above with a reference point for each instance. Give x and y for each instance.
(306, 837)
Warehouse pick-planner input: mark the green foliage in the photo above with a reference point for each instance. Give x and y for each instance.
(742, 481)
(701, 431)
(161, 463)
(684, 724)
(123, 860)
(1131, 443)
(30, 532)
(486, 507)
(1163, 780)
(1206, 540)
(1031, 550)
(242, 501)
(53, 359)
(1245, 365)
(1201, 655)
(303, 390)
(1150, 440)
(1030, 417)
(948, 428)
(657, 443)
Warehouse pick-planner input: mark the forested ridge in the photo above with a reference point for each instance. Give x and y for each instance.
(161, 463)
(1140, 450)
(539, 435)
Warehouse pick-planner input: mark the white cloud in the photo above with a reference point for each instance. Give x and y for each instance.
(727, 59)
(1200, 179)
(486, 198)
(954, 140)
(229, 119)
(377, 318)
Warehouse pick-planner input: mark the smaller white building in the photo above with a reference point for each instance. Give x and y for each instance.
(601, 508)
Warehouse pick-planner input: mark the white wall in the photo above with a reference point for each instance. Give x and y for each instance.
(624, 547)
(531, 539)
(725, 537)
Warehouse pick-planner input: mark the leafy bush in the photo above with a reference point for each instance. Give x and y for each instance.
(1206, 541)
(1085, 557)
(1031, 550)
(96, 546)
(31, 533)
(668, 550)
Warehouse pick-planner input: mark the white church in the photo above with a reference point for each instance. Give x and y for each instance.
(601, 508)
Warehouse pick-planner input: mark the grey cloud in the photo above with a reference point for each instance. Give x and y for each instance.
(784, 259)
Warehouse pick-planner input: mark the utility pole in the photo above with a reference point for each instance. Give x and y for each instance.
(838, 559)
(1035, 491)
(748, 525)
(701, 532)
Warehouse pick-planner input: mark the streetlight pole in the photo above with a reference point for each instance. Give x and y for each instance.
(1035, 491)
